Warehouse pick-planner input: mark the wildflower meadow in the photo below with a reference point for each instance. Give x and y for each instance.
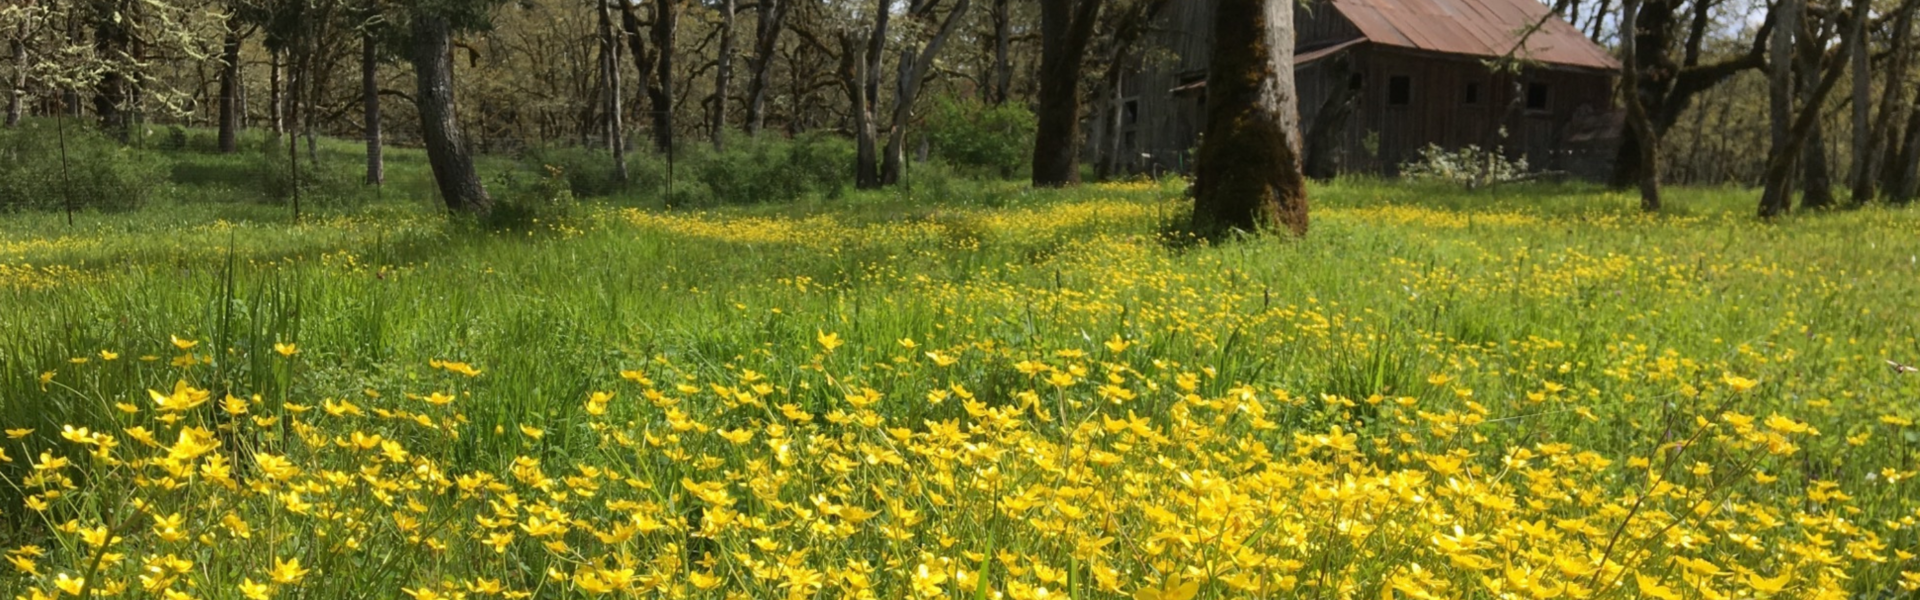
(1524, 392)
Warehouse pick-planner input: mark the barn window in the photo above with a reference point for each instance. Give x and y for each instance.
(1536, 96)
(1132, 111)
(1399, 90)
(1472, 96)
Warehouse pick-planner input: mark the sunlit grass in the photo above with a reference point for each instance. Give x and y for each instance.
(1532, 392)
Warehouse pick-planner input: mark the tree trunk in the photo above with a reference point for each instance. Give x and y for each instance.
(1861, 176)
(1065, 28)
(1637, 109)
(643, 61)
(17, 90)
(275, 102)
(666, 18)
(723, 76)
(1778, 175)
(1816, 178)
(447, 153)
(912, 73)
(862, 70)
(1903, 174)
(1330, 123)
(1000, 77)
(854, 70)
(370, 103)
(230, 90)
(766, 39)
(1247, 176)
(1885, 145)
(113, 91)
(616, 140)
(1777, 197)
(1668, 86)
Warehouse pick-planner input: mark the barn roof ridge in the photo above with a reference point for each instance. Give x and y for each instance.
(1490, 28)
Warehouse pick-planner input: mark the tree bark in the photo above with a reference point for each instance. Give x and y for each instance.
(666, 19)
(1065, 28)
(861, 69)
(17, 88)
(1778, 175)
(447, 153)
(113, 93)
(1777, 197)
(1861, 176)
(1637, 109)
(723, 76)
(1816, 176)
(912, 73)
(616, 140)
(370, 105)
(229, 101)
(766, 39)
(1247, 176)
(1000, 77)
(1885, 145)
(1903, 175)
(275, 100)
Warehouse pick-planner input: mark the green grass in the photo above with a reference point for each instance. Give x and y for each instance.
(1501, 289)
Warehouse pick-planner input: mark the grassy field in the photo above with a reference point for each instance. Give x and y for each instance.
(1532, 392)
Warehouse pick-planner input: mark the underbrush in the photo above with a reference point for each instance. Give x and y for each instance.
(48, 165)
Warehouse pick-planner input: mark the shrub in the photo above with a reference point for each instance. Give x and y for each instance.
(587, 171)
(523, 202)
(979, 136)
(329, 183)
(97, 172)
(1470, 167)
(775, 170)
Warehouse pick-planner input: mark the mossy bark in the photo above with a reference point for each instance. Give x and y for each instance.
(1247, 176)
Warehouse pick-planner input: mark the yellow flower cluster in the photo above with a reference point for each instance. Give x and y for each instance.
(1085, 475)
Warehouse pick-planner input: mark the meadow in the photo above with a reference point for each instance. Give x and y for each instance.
(1531, 392)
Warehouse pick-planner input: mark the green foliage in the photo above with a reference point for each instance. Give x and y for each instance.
(97, 172)
(330, 182)
(586, 171)
(996, 140)
(524, 202)
(775, 170)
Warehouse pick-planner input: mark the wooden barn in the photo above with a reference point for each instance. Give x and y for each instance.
(1379, 80)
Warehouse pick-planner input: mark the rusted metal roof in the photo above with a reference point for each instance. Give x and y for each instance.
(1488, 28)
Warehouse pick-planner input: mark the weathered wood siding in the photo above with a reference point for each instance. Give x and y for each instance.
(1161, 126)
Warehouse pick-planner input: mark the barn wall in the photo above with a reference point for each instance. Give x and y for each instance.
(1162, 127)
(1438, 111)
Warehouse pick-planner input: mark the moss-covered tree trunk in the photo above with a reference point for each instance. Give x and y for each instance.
(1247, 176)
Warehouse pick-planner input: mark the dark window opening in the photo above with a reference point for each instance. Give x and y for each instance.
(1355, 81)
(1399, 90)
(1536, 96)
(1472, 96)
(1132, 111)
